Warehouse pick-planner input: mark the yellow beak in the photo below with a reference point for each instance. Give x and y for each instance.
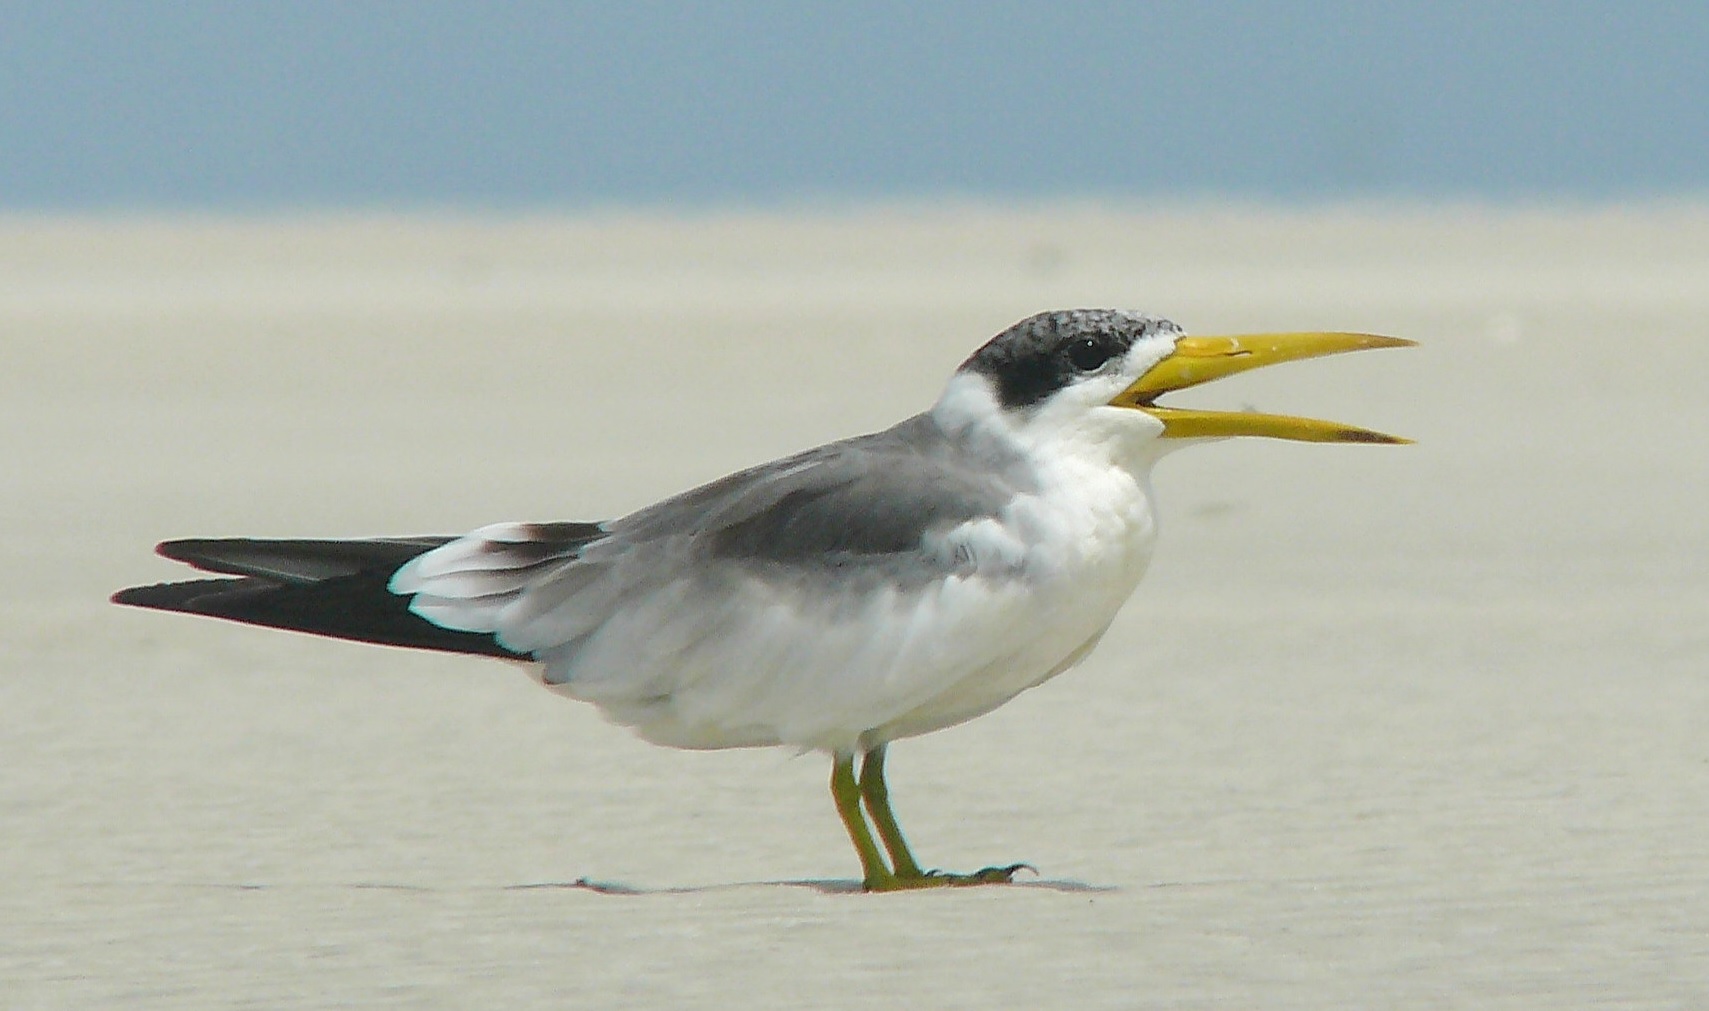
(1198, 360)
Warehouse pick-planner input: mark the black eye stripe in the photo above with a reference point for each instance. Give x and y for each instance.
(1051, 351)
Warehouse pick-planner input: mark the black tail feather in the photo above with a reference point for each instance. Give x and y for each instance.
(298, 561)
(331, 588)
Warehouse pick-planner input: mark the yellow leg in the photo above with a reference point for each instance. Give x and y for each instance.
(877, 796)
(876, 876)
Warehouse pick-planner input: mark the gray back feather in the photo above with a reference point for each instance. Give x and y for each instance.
(858, 501)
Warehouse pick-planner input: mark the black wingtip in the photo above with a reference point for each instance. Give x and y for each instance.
(140, 596)
(180, 596)
(334, 588)
(355, 609)
(178, 550)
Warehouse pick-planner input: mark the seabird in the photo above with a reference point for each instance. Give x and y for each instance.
(835, 600)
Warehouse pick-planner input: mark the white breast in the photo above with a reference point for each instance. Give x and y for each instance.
(1088, 540)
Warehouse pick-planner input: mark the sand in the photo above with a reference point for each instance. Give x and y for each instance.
(1384, 727)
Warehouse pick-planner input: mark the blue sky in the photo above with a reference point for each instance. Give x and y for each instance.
(344, 103)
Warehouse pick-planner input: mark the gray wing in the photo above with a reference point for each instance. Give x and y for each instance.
(860, 501)
(863, 506)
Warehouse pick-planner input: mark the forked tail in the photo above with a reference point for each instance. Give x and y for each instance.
(331, 588)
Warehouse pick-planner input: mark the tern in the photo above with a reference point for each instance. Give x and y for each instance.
(836, 600)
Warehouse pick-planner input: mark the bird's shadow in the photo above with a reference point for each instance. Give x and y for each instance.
(824, 886)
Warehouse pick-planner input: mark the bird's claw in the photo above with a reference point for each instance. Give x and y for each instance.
(948, 879)
(986, 876)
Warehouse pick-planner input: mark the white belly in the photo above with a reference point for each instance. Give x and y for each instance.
(742, 662)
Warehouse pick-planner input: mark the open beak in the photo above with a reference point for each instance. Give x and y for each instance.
(1198, 360)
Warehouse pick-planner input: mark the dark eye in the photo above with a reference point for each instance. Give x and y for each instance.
(1088, 354)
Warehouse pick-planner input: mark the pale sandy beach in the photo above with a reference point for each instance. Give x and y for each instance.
(1385, 727)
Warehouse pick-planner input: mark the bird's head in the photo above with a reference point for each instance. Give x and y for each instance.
(1098, 374)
